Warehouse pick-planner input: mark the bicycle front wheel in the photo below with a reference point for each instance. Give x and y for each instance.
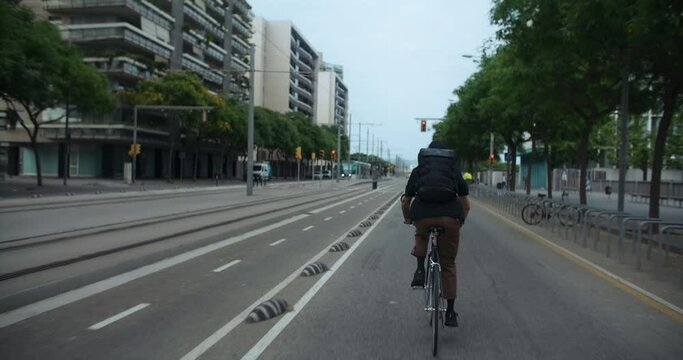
(436, 307)
(532, 214)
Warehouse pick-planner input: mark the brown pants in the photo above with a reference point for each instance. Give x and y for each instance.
(448, 248)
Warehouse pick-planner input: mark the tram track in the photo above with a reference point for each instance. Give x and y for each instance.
(153, 224)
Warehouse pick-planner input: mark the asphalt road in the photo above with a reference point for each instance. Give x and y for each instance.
(517, 300)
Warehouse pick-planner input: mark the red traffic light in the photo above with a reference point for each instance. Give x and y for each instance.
(423, 125)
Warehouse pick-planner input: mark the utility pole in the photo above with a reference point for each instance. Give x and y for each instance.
(624, 138)
(250, 127)
(348, 155)
(491, 161)
(338, 159)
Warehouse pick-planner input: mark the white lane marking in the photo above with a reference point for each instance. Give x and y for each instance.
(39, 307)
(307, 228)
(273, 333)
(118, 316)
(336, 204)
(352, 207)
(343, 211)
(328, 218)
(274, 243)
(219, 334)
(221, 268)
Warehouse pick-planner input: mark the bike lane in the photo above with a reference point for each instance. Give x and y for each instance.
(517, 299)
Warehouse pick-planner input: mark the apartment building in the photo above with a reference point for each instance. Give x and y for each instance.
(332, 96)
(287, 67)
(133, 40)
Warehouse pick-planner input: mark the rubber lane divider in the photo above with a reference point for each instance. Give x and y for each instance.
(639, 293)
(39, 307)
(222, 332)
(268, 338)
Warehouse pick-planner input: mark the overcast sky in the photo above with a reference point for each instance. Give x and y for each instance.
(402, 58)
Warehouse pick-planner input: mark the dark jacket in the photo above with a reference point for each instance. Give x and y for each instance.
(420, 210)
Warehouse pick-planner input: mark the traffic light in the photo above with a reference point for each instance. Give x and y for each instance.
(333, 153)
(322, 154)
(134, 150)
(312, 156)
(423, 125)
(297, 152)
(490, 159)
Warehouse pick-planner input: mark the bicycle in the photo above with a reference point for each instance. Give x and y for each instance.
(433, 297)
(533, 213)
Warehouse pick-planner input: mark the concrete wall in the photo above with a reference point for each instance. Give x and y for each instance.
(277, 57)
(325, 100)
(259, 41)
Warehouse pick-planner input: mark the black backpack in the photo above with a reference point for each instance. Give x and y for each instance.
(437, 176)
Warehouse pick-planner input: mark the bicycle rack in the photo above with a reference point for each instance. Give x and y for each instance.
(639, 237)
(599, 226)
(585, 229)
(622, 232)
(662, 239)
(609, 229)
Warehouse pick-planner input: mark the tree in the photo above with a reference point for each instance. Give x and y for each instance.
(38, 70)
(178, 88)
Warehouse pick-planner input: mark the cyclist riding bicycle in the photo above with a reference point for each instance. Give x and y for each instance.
(436, 195)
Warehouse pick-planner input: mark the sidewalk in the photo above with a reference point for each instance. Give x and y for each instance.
(24, 187)
(602, 201)
(18, 187)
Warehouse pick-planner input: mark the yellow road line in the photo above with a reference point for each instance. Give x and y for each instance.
(641, 294)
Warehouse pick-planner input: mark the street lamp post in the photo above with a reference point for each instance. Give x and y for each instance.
(250, 127)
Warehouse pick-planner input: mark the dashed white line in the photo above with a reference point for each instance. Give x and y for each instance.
(360, 203)
(42, 306)
(277, 242)
(343, 211)
(221, 268)
(328, 218)
(118, 316)
(352, 207)
(307, 228)
(274, 331)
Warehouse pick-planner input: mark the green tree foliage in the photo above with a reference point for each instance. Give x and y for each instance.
(38, 70)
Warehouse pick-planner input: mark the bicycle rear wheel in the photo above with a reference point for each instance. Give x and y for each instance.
(436, 307)
(532, 214)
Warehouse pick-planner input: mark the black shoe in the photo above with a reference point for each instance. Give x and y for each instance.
(451, 318)
(418, 279)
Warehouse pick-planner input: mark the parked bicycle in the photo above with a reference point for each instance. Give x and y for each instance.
(533, 213)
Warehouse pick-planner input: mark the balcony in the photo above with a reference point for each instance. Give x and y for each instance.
(239, 64)
(241, 26)
(110, 34)
(193, 64)
(306, 67)
(300, 104)
(123, 8)
(304, 93)
(201, 18)
(217, 6)
(242, 7)
(120, 67)
(236, 39)
(215, 52)
(302, 78)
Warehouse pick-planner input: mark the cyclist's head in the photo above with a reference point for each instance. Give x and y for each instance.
(438, 144)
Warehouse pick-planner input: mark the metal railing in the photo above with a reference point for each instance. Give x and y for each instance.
(563, 218)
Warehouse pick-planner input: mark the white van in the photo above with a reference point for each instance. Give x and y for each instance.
(263, 170)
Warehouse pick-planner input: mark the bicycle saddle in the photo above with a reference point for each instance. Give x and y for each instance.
(439, 229)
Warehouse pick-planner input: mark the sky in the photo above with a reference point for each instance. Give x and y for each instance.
(402, 59)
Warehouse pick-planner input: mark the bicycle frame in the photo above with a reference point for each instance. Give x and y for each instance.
(434, 266)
